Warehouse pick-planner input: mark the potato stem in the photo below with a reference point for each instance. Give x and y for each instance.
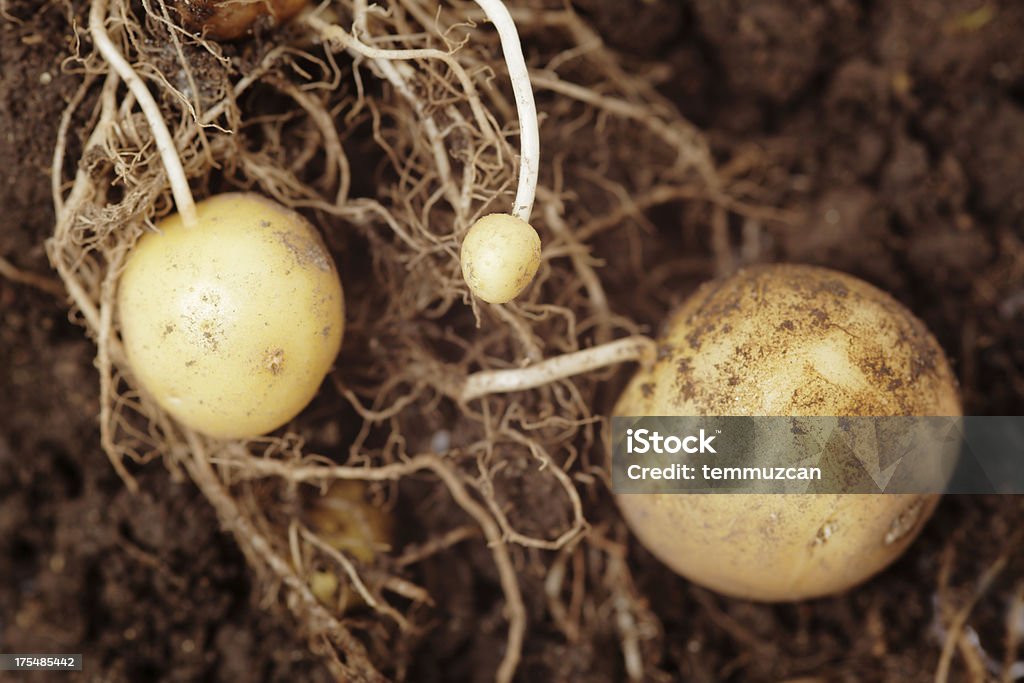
(176, 177)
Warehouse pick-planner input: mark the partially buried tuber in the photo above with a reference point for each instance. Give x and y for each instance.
(787, 340)
(231, 19)
(231, 324)
(347, 522)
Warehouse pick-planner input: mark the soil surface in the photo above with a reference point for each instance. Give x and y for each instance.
(895, 129)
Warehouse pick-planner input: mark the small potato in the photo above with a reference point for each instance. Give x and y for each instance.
(231, 19)
(345, 520)
(232, 325)
(500, 256)
(787, 340)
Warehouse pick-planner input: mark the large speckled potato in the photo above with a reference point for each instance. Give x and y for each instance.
(231, 325)
(787, 340)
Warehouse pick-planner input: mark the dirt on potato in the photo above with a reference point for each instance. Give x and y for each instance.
(885, 139)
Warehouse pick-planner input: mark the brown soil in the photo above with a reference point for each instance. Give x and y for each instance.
(895, 129)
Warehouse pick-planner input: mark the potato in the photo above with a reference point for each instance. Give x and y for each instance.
(346, 521)
(500, 256)
(231, 19)
(231, 325)
(787, 340)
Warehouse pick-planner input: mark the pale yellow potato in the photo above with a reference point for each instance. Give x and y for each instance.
(787, 340)
(231, 325)
(500, 256)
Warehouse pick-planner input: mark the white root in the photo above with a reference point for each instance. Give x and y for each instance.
(515, 62)
(636, 348)
(526, 108)
(176, 177)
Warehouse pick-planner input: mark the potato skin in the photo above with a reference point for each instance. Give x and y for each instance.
(787, 340)
(231, 325)
(500, 257)
(232, 19)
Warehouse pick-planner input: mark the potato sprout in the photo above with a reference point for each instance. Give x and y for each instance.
(231, 325)
(500, 256)
(787, 340)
